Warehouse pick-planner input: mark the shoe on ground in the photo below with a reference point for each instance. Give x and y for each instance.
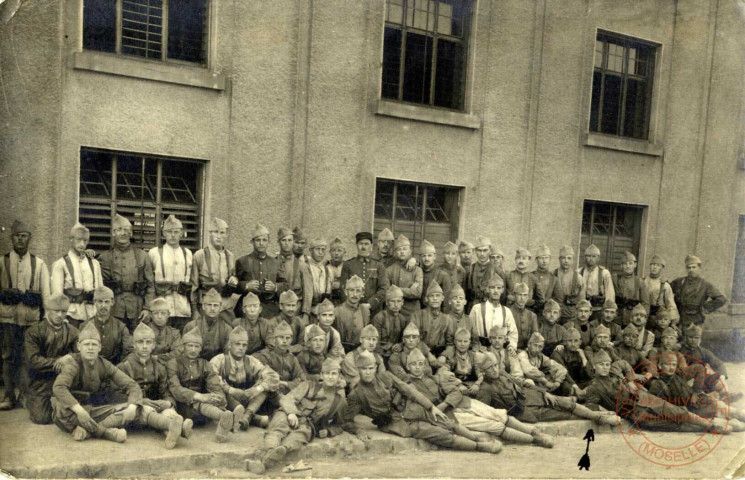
(224, 426)
(186, 428)
(238, 413)
(273, 456)
(80, 434)
(261, 421)
(543, 440)
(255, 466)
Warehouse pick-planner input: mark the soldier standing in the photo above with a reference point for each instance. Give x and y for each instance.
(371, 271)
(694, 295)
(570, 287)
(627, 287)
(545, 281)
(597, 280)
(257, 273)
(656, 293)
(384, 253)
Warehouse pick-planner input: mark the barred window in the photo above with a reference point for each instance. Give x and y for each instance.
(622, 86)
(143, 188)
(425, 52)
(174, 30)
(613, 228)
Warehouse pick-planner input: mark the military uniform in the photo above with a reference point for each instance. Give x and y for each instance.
(569, 288)
(598, 284)
(373, 275)
(487, 315)
(116, 341)
(628, 291)
(516, 276)
(260, 267)
(526, 322)
(212, 268)
(578, 373)
(349, 364)
(540, 368)
(284, 363)
(694, 296)
(349, 320)
(215, 333)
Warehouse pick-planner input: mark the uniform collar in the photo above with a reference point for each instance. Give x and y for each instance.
(363, 259)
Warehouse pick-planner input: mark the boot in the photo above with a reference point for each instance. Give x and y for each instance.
(186, 428)
(494, 446)
(8, 403)
(543, 440)
(601, 418)
(172, 425)
(260, 421)
(737, 425)
(463, 444)
(274, 456)
(238, 413)
(224, 419)
(512, 435)
(244, 421)
(737, 413)
(720, 425)
(80, 434)
(118, 435)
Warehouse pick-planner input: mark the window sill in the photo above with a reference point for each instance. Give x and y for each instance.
(610, 142)
(736, 308)
(148, 69)
(425, 114)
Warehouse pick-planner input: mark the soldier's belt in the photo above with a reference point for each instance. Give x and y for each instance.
(78, 295)
(31, 299)
(164, 288)
(10, 296)
(597, 300)
(570, 301)
(689, 309)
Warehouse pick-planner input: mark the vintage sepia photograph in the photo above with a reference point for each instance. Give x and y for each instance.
(372, 239)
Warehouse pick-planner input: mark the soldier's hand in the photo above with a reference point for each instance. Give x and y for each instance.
(439, 416)
(550, 399)
(433, 362)
(144, 316)
(512, 350)
(90, 253)
(86, 421)
(270, 286)
(396, 348)
(146, 402)
(233, 280)
(59, 363)
(411, 264)
(216, 400)
(253, 285)
(363, 436)
(323, 433)
(292, 420)
(474, 389)
(559, 348)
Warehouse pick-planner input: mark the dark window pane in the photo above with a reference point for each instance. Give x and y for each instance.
(450, 74)
(611, 104)
(99, 25)
(417, 68)
(186, 30)
(635, 117)
(391, 62)
(439, 204)
(409, 202)
(597, 79)
(95, 174)
(384, 199)
(142, 33)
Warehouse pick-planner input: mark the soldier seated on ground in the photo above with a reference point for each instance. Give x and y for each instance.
(196, 387)
(552, 332)
(288, 313)
(573, 358)
(259, 328)
(602, 343)
(311, 409)
(283, 362)
(167, 339)
(244, 379)
(313, 355)
(157, 405)
(712, 373)
(401, 351)
(332, 340)
(629, 352)
(608, 320)
(82, 403)
(212, 327)
(462, 362)
(543, 371)
(368, 343)
(498, 347)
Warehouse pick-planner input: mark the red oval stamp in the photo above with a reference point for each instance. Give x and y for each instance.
(683, 395)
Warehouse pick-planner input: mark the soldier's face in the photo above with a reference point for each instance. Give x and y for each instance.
(416, 368)
(56, 317)
(364, 247)
(497, 259)
(628, 267)
(551, 315)
(566, 261)
(427, 259)
(192, 350)
(655, 269)
(260, 243)
(354, 295)
(384, 247)
(282, 342)
(394, 305)
(326, 319)
(466, 255)
(668, 364)
(238, 348)
(403, 252)
(583, 314)
(318, 253)
(534, 348)
(693, 340)
(89, 349)
(144, 347)
(20, 242)
(462, 344)
(498, 340)
(218, 237)
(173, 236)
(639, 319)
(434, 300)
(694, 270)
(592, 260)
(298, 246)
(450, 257)
(573, 344)
(495, 291)
(160, 317)
(630, 339)
(79, 242)
(337, 254)
(602, 369)
(521, 299)
(288, 308)
(103, 307)
(285, 244)
(663, 322)
(609, 314)
(602, 339)
(482, 254)
(330, 378)
(411, 341)
(252, 310)
(669, 342)
(543, 261)
(457, 304)
(367, 374)
(369, 343)
(522, 262)
(211, 309)
(317, 344)
(122, 235)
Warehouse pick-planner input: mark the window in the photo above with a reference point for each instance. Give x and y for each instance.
(613, 228)
(154, 29)
(622, 86)
(145, 189)
(738, 282)
(425, 52)
(417, 211)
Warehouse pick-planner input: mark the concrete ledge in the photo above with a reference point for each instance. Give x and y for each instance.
(611, 142)
(427, 114)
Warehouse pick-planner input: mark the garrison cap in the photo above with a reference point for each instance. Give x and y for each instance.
(393, 292)
(89, 332)
(192, 336)
(410, 329)
(551, 304)
(601, 356)
(288, 296)
(543, 251)
(602, 330)
(102, 293)
(427, 247)
(495, 280)
(401, 241)
(693, 329)
(669, 332)
(610, 305)
(57, 302)
(315, 331)
(462, 334)
(172, 223)
(639, 308)
(259, 230)
(283, 232)
(668, 356)
(212, 296)
(120, 222)
(318, 242)
(523, 252)
(520, 288)
(485, 360)
(159, 303)
(584, 303)
(329, 365)
(536, 337)
(297, 234)
(482, 241)
(433, 288)
(457, 290)
(385, 235)
(592, 250)
(692, 259)
(325, 306)
(79, 228)
(363, 236)
(465, 245)
(336, 242)
(282, 329)
(450, 247)
(497, 331)
(251, 298)
(143, 332)
(628, 257)
(566, 250)
(19, 227)
(657, 259)
(572, 334)
(238, 334)
(217, 224)
(630, 330)
(414, 356)
(365, 359)
(496, 251)
(369, 331)
(355, 282)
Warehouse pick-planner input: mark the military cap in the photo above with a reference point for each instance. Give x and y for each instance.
(536, 337)
(543, 251)
(584, 303)
(355, 282)
(336, 242)
(282, 329)
(667, 357)
(410, 329)
(325, 306)
(159, 303)
(102, 292)
(318, 242)
(393, 292)
(259, 230)
(120, 222)
(415, 356)
(664, 313)
(465, 245)
(601, 356)
(639, 308)
(482, 241)
(363, 236)
(551, 304)
(251, 298)
(19, 227)
(385, 235)
(602, 330)
(520, 288)
(610, 305)
(592, 250)
(485, 360)
(657, 259)
(450, 247)
(495, 280)
(572, 334)
(89, 332)
(497, 331)
(566, 250)
(57, 302)
(630, 330)
(462, 334)
(172, 223)
(315, 331)
(217, 224)
(283, 232)
(238, 334)
(143, 332)
(496, 251)
(692, 259)
(212, 296)
(297, 234)
(329, 365)
(692, 330)
(669, 332)
(365, 359)
(401, 241)
(457, 290)
(79, 228)
(433, 288)
(369, 331)
(192, 336)
(523, 252)
(628, 257)
(427, 247)
(288, 296)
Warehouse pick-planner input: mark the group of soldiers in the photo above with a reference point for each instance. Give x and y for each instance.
(460, 353)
